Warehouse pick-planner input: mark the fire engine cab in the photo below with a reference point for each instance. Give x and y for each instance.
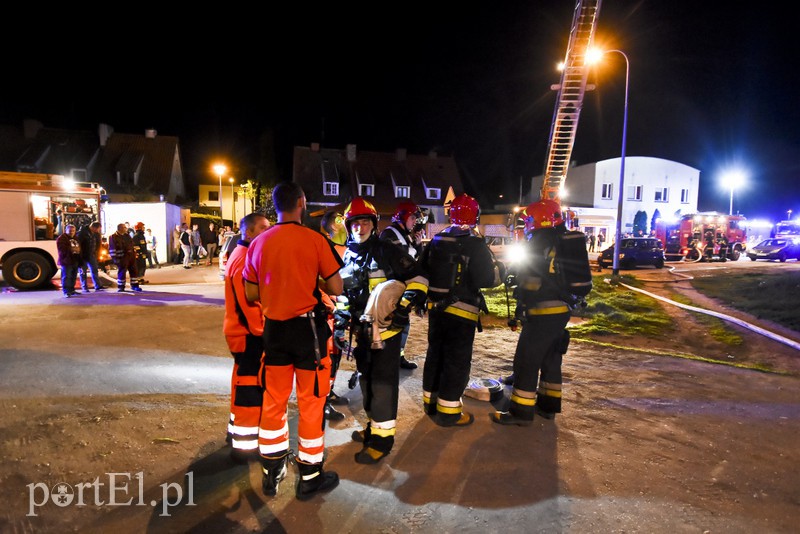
(28, 222)
(707, 236)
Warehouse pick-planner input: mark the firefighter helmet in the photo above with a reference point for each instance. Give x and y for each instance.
(406, 210)
(543, 214)
(139, 226)
(359, 209)
(464, 210)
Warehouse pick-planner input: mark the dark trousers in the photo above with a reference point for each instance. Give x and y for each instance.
(449, 357)
(380, 377)
(127, 267)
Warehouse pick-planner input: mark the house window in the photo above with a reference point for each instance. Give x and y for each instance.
(124, 178)
(213, 196)
(366, 190)
(402, 191)
(608, 190)
(79, 175)
(433, 193)
(684, 196)
(662, 194)
(634, 192)
(330, 189)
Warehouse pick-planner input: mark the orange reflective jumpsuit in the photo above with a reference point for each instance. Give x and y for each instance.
(286, 262)
(243, 326)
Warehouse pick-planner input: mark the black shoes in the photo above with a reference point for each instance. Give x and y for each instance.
(273, 471)
(370, 456)
(331, 414)
(337, 400)
(405, 364)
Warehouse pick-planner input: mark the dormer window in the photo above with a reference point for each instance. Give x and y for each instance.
(402, 191)
(330, 189)
(433, 193)
(366, 190)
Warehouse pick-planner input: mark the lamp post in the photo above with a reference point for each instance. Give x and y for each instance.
(732, 180)
(233, 204)
(220, 169)
(615, 266)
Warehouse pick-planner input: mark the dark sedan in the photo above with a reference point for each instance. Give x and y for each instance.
(775, 249)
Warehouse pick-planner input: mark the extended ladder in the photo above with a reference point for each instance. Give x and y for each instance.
(570, 98)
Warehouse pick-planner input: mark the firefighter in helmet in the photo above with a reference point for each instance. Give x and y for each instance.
(544, 338)
(140, 244)
(401, 233)
(123, 252)
(382, 284)
(459, 263)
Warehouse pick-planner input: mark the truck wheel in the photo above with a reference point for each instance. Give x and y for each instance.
(27, 270)
(735, 255)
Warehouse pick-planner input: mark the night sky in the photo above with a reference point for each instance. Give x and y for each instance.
(711, 87)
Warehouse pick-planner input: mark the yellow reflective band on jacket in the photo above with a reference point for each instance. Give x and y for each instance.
(377, 280)
(413, 285)
(522, 400)
(382, 432)
(458, 312)
(390, 332)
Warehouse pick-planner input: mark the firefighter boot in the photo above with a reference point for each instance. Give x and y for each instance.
(274, 470)
(429, 406)
(453, 419)
(375, 448)
(313, 480)
(331, 413)
(517, 414)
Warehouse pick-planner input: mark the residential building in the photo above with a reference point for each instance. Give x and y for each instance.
(331, 178)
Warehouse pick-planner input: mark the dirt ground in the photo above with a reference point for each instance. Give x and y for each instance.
(648, 441)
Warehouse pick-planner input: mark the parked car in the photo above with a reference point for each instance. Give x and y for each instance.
(775, 249)
(633, 252)
(506, 249)
(228, 244)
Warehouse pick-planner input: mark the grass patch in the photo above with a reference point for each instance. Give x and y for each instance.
(608, 311)
(765, 295)
(716, 328)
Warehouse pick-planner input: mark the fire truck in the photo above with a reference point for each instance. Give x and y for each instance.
(788, 230)
(28, 206)
(706, 236)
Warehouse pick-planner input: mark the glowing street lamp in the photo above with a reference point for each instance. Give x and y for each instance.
(732, 180)
(220, 169)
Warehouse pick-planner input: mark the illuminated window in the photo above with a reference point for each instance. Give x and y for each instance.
(366, 190)
(433, 193)
(330, 189)
(402, 191)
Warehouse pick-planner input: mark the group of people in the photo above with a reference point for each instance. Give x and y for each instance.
(293, 294)
(132, 249)
(195, 245)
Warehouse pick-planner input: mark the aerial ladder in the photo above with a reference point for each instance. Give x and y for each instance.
(570, 98)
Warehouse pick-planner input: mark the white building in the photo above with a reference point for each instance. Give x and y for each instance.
(651, 184)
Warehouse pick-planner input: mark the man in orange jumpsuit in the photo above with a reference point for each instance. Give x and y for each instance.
(243, 326)
(285, 270)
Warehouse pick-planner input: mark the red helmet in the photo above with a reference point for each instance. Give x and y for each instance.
(404, 211)
(138, 226)
(543, 214)
(464, 210)
(359, 208)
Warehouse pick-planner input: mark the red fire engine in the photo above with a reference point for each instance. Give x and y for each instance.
(707, 236)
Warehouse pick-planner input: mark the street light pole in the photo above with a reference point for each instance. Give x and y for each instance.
(615, 266)
(233, 204)
(220, 169)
